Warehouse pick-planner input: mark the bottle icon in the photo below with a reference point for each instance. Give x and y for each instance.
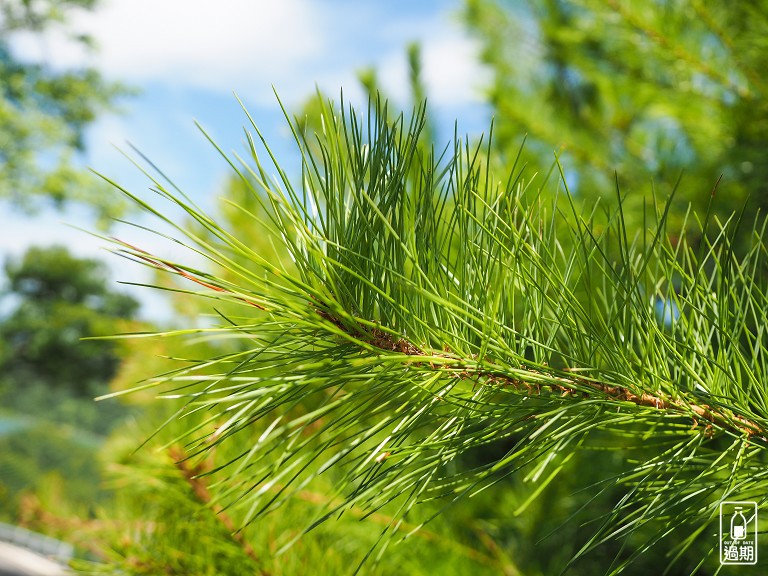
(738, 525)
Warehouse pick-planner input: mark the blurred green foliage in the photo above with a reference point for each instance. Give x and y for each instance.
(50, 425)
(44, 112)
(166, 518)
(646, 90)
(61, 299)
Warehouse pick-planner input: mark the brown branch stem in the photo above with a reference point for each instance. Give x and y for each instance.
(571, 386)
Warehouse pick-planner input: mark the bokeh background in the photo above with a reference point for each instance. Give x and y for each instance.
(634, 100)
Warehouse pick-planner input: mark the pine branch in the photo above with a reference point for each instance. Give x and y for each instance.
(468, 368)
(574, 387)
(424, 310)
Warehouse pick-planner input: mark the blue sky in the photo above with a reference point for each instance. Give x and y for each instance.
(188, 57)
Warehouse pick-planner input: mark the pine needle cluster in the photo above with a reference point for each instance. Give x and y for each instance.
(425, 308)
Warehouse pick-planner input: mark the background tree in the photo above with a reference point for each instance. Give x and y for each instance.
(44, 113)
(61, 299)
(49, 423)
(648, 92)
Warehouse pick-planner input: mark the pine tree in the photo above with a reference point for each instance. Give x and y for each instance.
(439, 329)
(45, 111)
(646, 90)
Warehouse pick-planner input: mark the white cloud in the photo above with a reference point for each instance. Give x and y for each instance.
(239, 45)
(248, 46)
(452, 70)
